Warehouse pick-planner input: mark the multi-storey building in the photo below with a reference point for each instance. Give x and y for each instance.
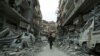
(48, 27)
(20, 16)
(80, 21)
(71, 13)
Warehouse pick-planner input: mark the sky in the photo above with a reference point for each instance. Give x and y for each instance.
(49, 9)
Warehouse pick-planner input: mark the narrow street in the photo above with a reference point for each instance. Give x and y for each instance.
(71, 27)
(46, 51)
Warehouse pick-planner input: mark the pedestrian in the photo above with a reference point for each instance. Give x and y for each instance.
(50, 40)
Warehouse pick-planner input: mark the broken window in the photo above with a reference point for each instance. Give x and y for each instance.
(11, 3)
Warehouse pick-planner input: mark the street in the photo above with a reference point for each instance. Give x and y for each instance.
(70, 27)
(46, 51)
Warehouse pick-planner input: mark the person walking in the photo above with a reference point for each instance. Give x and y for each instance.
(50, 40)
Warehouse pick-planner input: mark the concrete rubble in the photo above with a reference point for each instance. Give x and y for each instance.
(24, 33)
(24, 52)
(77, 21)
(72, 50)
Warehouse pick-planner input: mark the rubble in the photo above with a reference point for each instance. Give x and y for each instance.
(24, 52)
(71, 50)
(80, 18)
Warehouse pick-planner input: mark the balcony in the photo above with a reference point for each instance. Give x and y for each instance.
(68, 3)
(82, 7)
(68, 8)
(11, 12)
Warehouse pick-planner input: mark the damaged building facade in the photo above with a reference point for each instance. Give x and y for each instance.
(80, 19)
(48, 27)
(18, 16)
(44, 28)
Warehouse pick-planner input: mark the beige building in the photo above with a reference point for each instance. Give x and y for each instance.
(49, 27)
(52, 27)
(44, 27)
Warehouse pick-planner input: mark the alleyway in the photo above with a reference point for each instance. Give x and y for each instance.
(54, 52)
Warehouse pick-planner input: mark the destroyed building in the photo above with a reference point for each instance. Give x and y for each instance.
(52, 27)
(78, 17)
(48, 27)
(44, 27)
(72, 12)
(18, 16)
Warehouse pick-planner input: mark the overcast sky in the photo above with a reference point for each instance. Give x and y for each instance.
(49, 9)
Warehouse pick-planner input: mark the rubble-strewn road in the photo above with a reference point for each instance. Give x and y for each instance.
(44, 50)
(32, 51)
(53, 52)
(73, 51)
(59, 52)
